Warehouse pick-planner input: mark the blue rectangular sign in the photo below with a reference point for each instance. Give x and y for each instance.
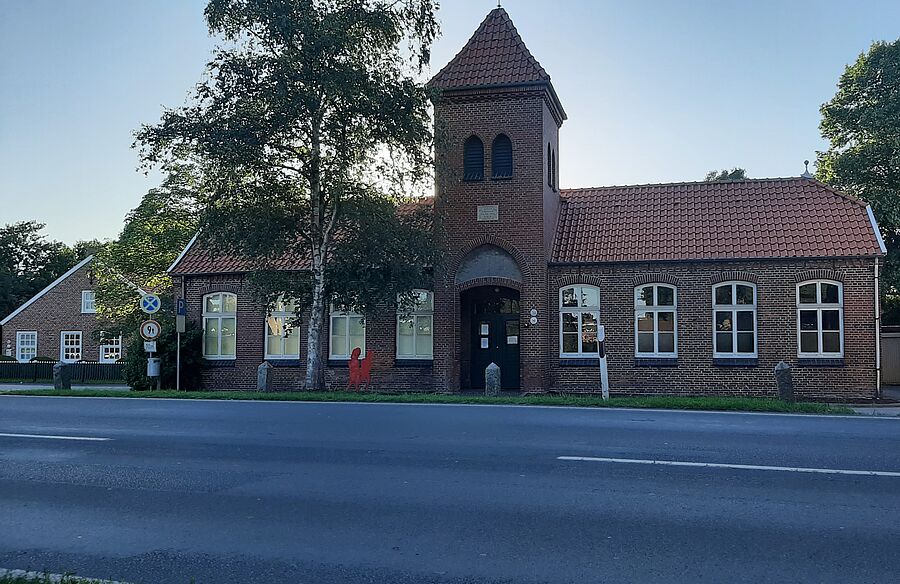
(181, 307)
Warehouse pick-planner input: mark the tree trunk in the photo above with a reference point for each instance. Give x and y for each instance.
(315, 370)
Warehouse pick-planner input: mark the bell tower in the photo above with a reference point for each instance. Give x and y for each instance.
(497, 120)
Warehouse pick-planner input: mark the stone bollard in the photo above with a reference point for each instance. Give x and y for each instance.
(492, 379)
(784, 381)
(264, 377)
(62, 376)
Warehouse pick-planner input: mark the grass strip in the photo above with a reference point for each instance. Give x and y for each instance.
(730, 404)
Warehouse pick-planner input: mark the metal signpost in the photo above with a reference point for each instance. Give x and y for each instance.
(150, 329)
(180, 314)
(604, 372)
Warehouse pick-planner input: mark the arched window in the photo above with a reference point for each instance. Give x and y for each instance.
(820, 319)
(346, 331)
(473, 159)
(734, 320)
(655, 321)
(579, 319)
(501, 157)
(219, 325)
(415, 328)
(282, 331)
(549, 166)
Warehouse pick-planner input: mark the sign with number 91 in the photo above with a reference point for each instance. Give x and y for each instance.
(150, 330)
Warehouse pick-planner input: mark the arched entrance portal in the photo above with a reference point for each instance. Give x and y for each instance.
(489, 332)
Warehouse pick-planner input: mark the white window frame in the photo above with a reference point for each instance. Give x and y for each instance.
(20, 336)
(218, 356)
(734, 308)
(333, 314)
(415, 314)
(283, 313)
(656, 309)
(113, 342)
(62, 346)
(578, 311)
(88, 302)
(819, 307)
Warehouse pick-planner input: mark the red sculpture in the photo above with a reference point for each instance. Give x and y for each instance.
(360, 370)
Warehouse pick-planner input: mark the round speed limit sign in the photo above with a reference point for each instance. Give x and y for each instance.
(150, 330)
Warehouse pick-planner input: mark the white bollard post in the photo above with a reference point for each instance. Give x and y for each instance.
(604, 372)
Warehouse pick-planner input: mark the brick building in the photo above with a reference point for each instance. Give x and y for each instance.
(60, 323)
(702, 288)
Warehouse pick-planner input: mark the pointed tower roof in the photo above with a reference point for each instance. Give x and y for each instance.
(495, 55)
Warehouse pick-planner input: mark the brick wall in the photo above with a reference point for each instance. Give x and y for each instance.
(523, 229)
(695, 372)
(240, 373)
(56, 311)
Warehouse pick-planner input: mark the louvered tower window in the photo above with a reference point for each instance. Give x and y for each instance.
(473, 159)
(501, 157)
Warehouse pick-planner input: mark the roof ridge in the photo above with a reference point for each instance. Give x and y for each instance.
(689, 182)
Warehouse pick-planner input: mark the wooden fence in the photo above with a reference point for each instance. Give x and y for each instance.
(81, 372)
(890, 358)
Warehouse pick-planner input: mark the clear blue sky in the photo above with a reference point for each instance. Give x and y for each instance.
(655, 91)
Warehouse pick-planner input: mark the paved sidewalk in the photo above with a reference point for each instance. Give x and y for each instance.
(49, 385)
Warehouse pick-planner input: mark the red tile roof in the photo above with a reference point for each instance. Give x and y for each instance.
(767, 218)
(495, 55)
(198, 259)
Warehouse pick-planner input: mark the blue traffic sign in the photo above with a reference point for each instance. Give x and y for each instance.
(181, 307)
(150, 303)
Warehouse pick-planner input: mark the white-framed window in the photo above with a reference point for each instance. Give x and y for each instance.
(26, 346)
(579, 321)
(734, 320)
(70, 346)
(820, 319)
(415, 328)
(282, 331)
(220, 325)
(346, 331)
(88, 302)
(110, 348)
(655, 321)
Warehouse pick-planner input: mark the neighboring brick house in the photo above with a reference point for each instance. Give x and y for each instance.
(702, 288)
(60, 323)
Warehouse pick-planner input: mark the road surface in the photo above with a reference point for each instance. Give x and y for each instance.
(165, 491)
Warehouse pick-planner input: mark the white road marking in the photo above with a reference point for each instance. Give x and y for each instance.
(48, 437)
(838, 471)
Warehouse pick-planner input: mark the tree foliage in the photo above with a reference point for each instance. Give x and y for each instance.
(862, 124)
(735, 173)
(310, 126)
(29, 262)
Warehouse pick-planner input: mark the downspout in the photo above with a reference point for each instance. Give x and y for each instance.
(877, 334)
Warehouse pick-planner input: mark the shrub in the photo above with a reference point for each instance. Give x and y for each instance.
(7, 358)
(191, 359)
(42, 359)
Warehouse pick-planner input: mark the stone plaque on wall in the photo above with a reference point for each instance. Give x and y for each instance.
(488, 213)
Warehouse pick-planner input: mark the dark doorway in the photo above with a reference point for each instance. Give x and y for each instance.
(490, 333)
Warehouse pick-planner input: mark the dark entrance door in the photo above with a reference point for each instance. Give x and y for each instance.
(494, 334)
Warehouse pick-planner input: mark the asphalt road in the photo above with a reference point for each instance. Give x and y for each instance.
(245, 492)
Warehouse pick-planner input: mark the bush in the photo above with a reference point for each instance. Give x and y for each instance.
(7, 358)
(191, 359)
(42, 359)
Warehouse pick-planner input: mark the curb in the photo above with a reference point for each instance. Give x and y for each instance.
(43, 577)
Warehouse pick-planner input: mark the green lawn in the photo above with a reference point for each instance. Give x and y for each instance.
(660, 402)
(33, 578)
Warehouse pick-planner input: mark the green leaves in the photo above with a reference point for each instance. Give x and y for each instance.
(862, 124)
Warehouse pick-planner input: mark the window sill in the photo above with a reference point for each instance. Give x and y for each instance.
(278, 362)
(656, 361)
(820, 361)
(216, 363)
(579, 362)
(735, 361)
(338, 363)
(501, 177)
(424, 363)
(468, 180)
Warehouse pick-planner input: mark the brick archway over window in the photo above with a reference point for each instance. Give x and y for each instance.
(655, 278)
(821, 274)
(734, 276)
